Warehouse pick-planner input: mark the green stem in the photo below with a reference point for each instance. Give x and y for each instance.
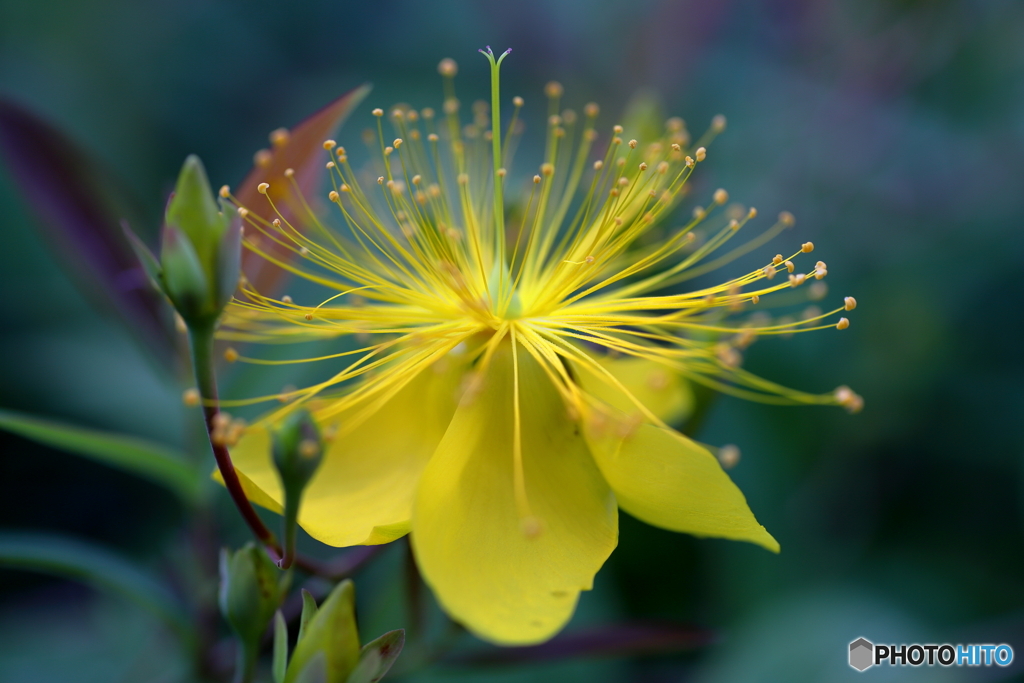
(201, 338)
(245, 666)
(292, 500)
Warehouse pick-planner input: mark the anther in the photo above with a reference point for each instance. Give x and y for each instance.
(718, 123)
(380, 180)
(190, 397)
(676, 147)
(623, 181)
(675, 124)
(807, 247)
(755, 299)
(662, 167)
(790, 266)
(225, 191)
(591, 110)
(230, 355)
(786, 218)
(734, 224)
(617, 129)
(553, 89)
(378, 112)
(536, 180)
(589, 259)
(728, 456)
(820, 272)
(501, 172)
(388, 150)
(463, 179)
(329, 144)
(243, 212)
(276, 222)
(777, 259)
(797, 280)
(517, 101)
(286, 299)
(262, 188)
(330, 165)
(427, 113)
(632, 144)
(345, 188)
(417, 179)
(447, 67)
(262, 158)
(279, 137)
(689, 162)
(308, 316)
(289, 172)
(721, 196)
(554, 120)
(643, 166)
(752, 213)
(432, 137)
(769, 272)
(850, 302)
(398, 142)
(842, 324)
(701, 154)
(333, 196)
(598, 165)
(547, 169)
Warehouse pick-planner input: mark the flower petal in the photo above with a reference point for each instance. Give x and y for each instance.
(662, 477)
(662, 391)
(469, 536)
(363, 492)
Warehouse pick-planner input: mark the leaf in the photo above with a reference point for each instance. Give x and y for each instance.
(280, 662)
(309, 610)
(377, 656)
(148, 460)
(80, 207)
(315, 671)
(304, 153)
(98, 567)
(642, 638)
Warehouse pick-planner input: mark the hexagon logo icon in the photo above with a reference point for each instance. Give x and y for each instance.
(862, 654)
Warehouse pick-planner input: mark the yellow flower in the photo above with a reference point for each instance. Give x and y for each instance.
(512, 376)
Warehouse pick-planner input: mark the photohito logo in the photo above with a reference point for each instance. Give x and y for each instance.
(864, 654)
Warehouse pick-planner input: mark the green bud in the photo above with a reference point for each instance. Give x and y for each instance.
(298, 450)
(331, 634)
(251, 590)
(200, 253)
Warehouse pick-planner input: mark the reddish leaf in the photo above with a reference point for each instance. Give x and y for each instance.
(304, 153)
(80, 208)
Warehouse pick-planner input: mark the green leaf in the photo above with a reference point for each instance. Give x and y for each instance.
(315, 671)
(377, 656)
(280, 662)
(149, 263)
(148, 460)
(309, 610)
(186, 283)
(95, 566)
(332, 632)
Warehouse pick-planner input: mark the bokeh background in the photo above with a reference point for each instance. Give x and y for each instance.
(894, 131)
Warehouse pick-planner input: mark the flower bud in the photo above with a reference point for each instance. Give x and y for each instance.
(298, 450)
(200, 253)
(251, 590)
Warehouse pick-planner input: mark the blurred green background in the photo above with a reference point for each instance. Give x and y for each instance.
(894, 131)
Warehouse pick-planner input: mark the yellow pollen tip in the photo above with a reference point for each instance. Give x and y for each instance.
(262, 188)
(850, 302)
(447, 67)
(308, 316)
(398, 142)
(591, 110)
(225, 191)
(643, 166)
(790, 266)
(243, 212)
(842, 324)
(517, 101)
(718, 123)
(262, 158)
(632, 144)
(807, 247)
(728, 455)
(230, 355)
(190, 397)
(553, 89)
(276, 222)
(378, 112)
(279, 137)
(309, 448)
(330, 144)
(286, 299)
(721, 196)
(701, 154)
(536, 180)
(797, 280)
(289, 172)
(380, 180)
(786, 218)
(333, 196)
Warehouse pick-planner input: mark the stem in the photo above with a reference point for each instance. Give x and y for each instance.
(245, 665)
(201, 339)
(292, 500)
